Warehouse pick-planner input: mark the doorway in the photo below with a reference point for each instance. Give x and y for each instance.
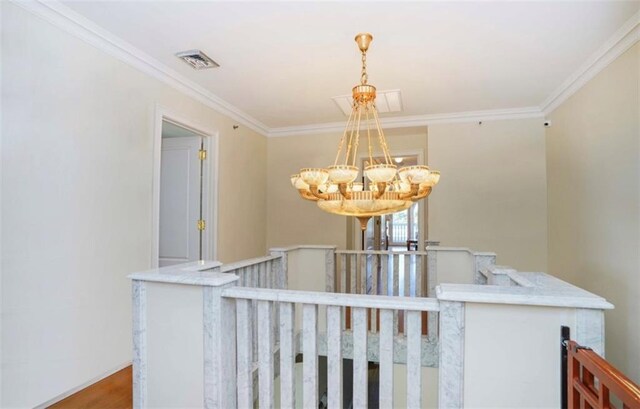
(184, 226)
(183, 192)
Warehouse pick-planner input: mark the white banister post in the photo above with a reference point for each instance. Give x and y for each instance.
(590, 329)
(219, 320)
(451, 369)
(330, 269)
(480, 262)
(139, 298)
(218, 330)
(282, 268)
(432, 282)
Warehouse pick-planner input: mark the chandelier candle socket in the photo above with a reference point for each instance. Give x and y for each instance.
(389, 189)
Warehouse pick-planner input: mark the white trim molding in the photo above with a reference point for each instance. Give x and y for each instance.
(416, 120)
(63, 17)
(623, 39)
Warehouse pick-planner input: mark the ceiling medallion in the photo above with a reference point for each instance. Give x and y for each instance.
(389, 190)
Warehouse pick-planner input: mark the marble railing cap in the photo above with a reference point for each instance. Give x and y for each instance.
(497, 270)
(462, 249)
(204, 273)
(500, 269)
(539, 289)
(304, 246)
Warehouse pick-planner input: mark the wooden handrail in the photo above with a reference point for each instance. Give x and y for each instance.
(584, 367)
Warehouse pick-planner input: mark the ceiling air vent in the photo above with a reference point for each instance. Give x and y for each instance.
(197, 59)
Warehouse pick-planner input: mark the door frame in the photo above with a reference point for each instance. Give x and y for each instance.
(209, 182)
(422, 205)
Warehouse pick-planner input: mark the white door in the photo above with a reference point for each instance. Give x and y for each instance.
(180, 200)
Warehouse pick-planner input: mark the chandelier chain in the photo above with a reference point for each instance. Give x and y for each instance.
(369, 136)
(355, 146)
(350, 146)
(344, 137)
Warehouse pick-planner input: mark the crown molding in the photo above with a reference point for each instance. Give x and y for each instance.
(623, 39)
(414, 121)
(63, 17)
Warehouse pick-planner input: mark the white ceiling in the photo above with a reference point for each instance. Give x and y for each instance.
(282, 62)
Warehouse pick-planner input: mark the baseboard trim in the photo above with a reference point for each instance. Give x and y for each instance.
(80, 387)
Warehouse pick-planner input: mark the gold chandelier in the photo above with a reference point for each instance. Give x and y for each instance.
(389, 189)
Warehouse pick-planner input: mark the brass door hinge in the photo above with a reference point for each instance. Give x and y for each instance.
(201, 225)
(202, 154)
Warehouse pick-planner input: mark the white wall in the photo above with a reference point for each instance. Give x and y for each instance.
(76, 203)
(593, 167)
(492, 194)
(521, 346)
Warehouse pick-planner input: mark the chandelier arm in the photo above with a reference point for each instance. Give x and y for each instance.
(415, 188)
(355, 147)
(344, 136)
(422, 193)
(314, 191)
(342, 187)
(383, 141)
(382, 187)
(306, 195)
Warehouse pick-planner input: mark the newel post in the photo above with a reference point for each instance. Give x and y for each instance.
(432, 282)
(218, 332)
(219, 319)
(282, 267)
(330, 269)
(451, 369)
(139, 301)
(480, 262)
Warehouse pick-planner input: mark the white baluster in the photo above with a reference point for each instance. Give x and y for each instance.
(396, 290)
(265, 353)
(384, 275)
(310, 356)
(352, 273)
(363, 274)
(419, 271)
(386, 358)
(343, 273)
(262, 272)
(244, 354)
(414, 365)
(375, 276)
(360, 361)
(334, 356)
(287, 357)
(407, 275)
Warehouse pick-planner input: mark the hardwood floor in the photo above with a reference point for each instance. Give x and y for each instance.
(113, 392)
